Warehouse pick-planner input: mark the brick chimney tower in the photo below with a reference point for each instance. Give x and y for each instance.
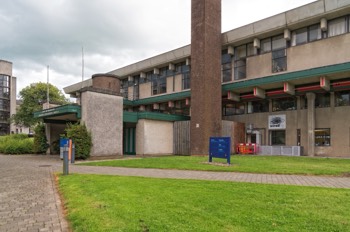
(206, 97)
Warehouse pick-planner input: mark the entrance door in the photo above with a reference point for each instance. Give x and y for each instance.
(129, 141)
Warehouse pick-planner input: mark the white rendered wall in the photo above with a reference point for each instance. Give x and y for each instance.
(154, 137)
(103, 116)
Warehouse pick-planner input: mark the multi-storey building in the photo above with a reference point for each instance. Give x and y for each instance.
(7, 97)
(286, 78)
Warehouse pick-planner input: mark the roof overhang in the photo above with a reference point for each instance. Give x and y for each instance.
(60, 114)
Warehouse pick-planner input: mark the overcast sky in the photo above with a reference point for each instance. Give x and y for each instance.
(114, 33)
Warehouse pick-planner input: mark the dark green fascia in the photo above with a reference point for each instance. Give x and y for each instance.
(331, 69)
(130, 116)
(133, 117)
(161, 98)
(58, 121)
(127, 102)
(58, 111)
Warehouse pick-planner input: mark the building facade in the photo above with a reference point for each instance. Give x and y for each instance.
(286, 78)
(7, 97)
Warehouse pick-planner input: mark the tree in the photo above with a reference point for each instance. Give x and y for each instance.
(33, 97)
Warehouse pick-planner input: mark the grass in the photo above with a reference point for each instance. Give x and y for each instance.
(250, 164)
(114, 203)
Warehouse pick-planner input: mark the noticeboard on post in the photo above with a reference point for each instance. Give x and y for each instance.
(220, 147)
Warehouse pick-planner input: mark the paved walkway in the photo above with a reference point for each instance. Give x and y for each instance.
(29, 199)
(28, 195)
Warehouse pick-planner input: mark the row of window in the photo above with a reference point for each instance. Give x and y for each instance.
(277, 46)
(341, 98)
(322, 137)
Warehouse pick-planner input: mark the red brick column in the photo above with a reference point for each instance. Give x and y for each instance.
(205, 74)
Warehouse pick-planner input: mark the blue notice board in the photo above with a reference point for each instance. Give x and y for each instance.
(220, 147)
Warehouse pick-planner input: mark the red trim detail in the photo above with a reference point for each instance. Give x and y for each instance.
(341, 83)
(307, 88)
(275, 92)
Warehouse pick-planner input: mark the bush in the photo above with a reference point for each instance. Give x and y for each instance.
(81, 138)
(40, 141)
(16, 144)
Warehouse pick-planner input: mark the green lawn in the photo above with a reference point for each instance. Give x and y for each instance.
(113, 203)
(251, 164)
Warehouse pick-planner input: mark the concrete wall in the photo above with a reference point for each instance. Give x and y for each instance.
(329, 117)
(53, 132)
(13, 104)
(145, 90)
(326, 51)
(103, 116)
(5, 67)
(154, 137)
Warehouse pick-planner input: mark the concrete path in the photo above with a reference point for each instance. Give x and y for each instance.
(29, 199)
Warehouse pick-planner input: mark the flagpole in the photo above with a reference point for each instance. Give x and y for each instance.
(48, 87)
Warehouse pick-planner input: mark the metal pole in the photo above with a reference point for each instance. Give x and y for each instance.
(65, 160)
(73, 154)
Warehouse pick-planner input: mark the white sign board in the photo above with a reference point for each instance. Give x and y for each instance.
(277, 122)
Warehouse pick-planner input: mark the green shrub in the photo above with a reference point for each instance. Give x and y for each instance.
(16, 144)
(81, 138)
(40, 141)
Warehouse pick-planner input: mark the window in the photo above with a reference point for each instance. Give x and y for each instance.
(278, 137)
(240, 62)
(342, 98)
(265, 45)
(279, 54)
(186, 81)
(136, 87)
(323, 137)
(125, 86)
(306, 34)
(337, 26)
(258, 106)
(322, 100)
(233, 109)
(282, 104)
(315, 32)
(181, 68)
(299, 36)
(226, 68)
(303, 102)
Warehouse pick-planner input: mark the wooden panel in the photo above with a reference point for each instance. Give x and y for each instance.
(182, 138)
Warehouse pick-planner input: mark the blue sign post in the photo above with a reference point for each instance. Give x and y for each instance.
(220, 147)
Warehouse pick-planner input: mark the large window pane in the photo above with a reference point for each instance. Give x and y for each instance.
(342, 98)
(279, 60)
(233, 109)
(336, 27)
(241, 52)
(322, 100)
(278, 137)
(226, 72)
(278, 42)
(265, 45)
(315, 32)
(240, 69)
(282, 104)
(258, 106)
(186, 81)
(323, 137)
(299, 36)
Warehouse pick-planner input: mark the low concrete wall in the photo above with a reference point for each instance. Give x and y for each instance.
(154, 137)
(103, 116)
